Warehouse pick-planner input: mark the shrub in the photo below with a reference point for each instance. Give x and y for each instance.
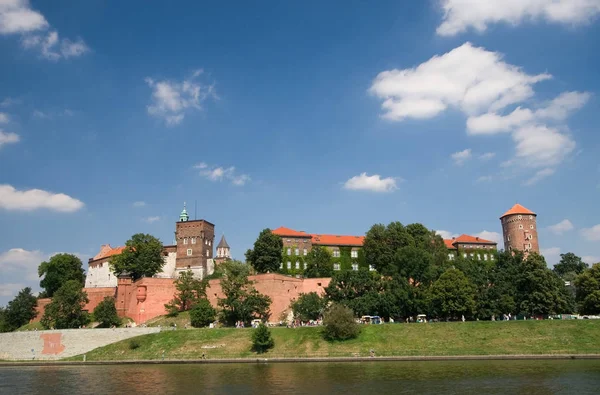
(262, 340)
(202, 314)
(308, 306)
(339, 323)
(134, 344)
(106, 313)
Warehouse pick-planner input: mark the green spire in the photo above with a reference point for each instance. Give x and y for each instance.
(184, 215)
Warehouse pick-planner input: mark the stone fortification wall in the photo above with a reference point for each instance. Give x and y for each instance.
(57, 344)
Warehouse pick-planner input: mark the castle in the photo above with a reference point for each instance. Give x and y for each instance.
(145, 298)
(193, 250)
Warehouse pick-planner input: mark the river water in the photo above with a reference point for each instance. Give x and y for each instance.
(431, 377)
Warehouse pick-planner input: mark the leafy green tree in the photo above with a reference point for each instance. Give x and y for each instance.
(202, 314)
(452, 295)
(587, 286)
(142, 257)
(339, 323)
(319, 263)
(570, 266)
(189, 290)
(308, 306)
(262, 340)
(539, 290)
(66, 308)
(106, 313)
(3, 325)
(20, 310)
(267, 254)
(242, 302)
(59, 269)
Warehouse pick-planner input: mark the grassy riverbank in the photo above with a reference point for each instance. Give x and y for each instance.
(439, 339)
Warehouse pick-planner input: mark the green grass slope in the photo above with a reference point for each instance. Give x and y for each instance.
(438, 339)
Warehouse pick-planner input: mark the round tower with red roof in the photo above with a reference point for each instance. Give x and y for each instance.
(519, 229)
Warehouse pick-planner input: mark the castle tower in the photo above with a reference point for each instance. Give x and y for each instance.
(194, 240)
(519, 229)
(223, 251)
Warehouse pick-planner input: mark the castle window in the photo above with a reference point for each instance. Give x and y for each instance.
(472, 255)
(296, 251)
(531, 217)
(210, 242)
(354, 254)
(189, 252)
(289, 265)
(491, 257)
(507, 238)
(289, 251)
(478, 257)
(185, 240)
(530, 226)
(193, 240)
(336, 266)
(304, 265)
(520, 226)
(529, 245)
(371, 268)
(208, 253)
(465, 255)
(281, 265)
(305, 252)
(451, 257)
(519, 217)
(297, 265)
(336, 253)
(355, 267)
(485, 257)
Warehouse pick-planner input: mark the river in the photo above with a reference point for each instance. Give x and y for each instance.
(448, 377)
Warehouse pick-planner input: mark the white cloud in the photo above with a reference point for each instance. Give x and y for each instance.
(487, 156)
(446, 234)
(563, 226)
(591, 234)
(33, 199)
(539, 175)
(152, 219)
(461, 156)
(8, 138)
(52, 48)
(487, 235)
(373, 183)
(541, 146)
(460, 15)
(139, 204)
(16, 16)
(485, 179)
(11, 289)
(171, 99)
(4, 118)
(590, 259)
(552, 255)
(9, 101)
(469, 78)
(219, 173)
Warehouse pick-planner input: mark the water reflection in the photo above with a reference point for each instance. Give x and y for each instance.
(451, 377)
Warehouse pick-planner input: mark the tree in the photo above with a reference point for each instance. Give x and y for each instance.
(452, 295)
(59, 269)
(202, 314)
(3, 325)
(339, 323)
(319, 263)
(189, 290)
(242, 302)
(570, 266)
(308, 306)
(267, 254)
(106, 313)
(587, 286)
(66, 308)
(142, 257)
(539, 291)
(20, 310)
(262, 340)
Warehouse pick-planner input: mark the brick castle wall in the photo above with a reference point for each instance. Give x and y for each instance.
(519, 232)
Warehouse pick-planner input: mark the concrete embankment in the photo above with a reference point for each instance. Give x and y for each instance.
(63, 343)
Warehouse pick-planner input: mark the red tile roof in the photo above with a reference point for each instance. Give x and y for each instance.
(471, 239)
(517, 209)
(283, 231)
(449, 244)
(106, 251)
(336, 240)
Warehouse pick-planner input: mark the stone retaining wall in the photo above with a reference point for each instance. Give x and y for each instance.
(63, 343)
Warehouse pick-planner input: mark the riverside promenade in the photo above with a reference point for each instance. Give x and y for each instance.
(61, 343)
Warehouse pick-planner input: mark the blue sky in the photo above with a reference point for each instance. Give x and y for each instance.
(326, 118)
